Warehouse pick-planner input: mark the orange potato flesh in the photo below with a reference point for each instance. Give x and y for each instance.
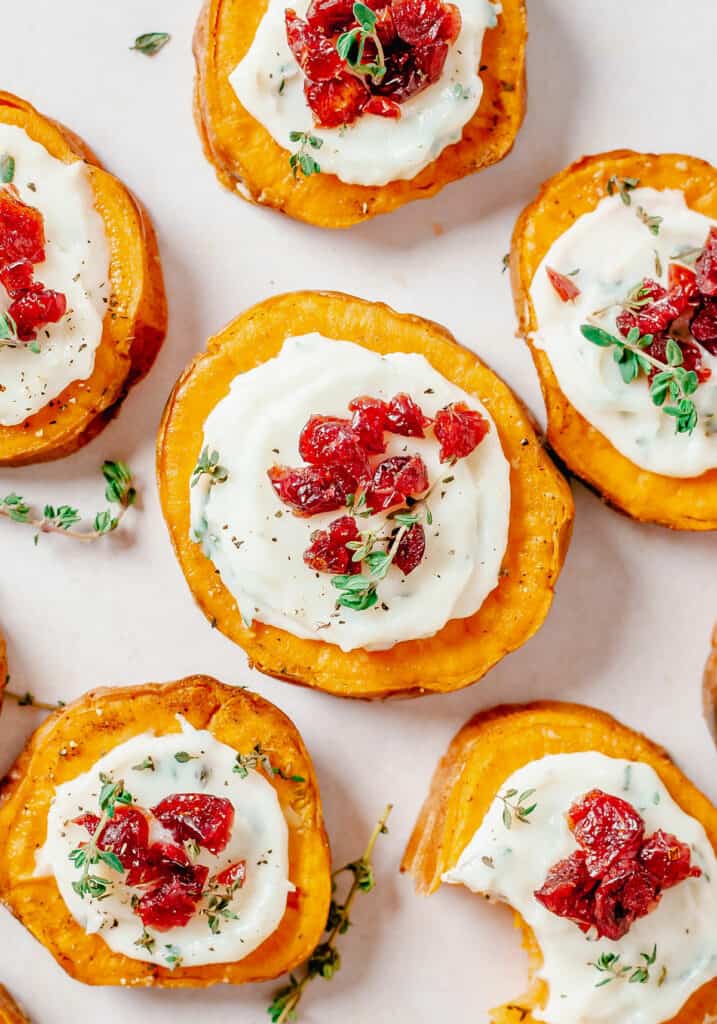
(540, 522)
(490, 748)
(136, 320)
(683, 504)
(71, 741)
(244, 154)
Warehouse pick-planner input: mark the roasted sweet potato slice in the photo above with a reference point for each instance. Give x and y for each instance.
(541, 509)
(683, 504)
(10, 1012)
(72, 740)
(249, 162)
(136, 320)
(490, 748)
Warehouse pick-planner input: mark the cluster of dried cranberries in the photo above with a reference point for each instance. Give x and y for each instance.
(685, 311)
(617, 875)
(369, 58)
(339, 470)
(22, 245)
(172, 884)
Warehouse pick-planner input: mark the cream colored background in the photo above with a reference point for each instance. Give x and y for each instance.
(635, 605)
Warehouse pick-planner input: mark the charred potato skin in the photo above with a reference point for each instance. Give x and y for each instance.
(541, 504)
(73, 739)
(249, 162)
(136, 320)
(682, 504)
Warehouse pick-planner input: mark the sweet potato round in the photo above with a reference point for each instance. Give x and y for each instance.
(10, 1012)
(683, 504)
(74, 739)
(248, 161)
(136, 320)
(482, 756)
(541, 504)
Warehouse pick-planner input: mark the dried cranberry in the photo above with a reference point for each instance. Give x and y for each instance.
(293, 900)
(624, 894)
(682, 278)
(316, 55)
(328, 551)
(22, 230)
(234, 875)
(409, 71)
(704, 326)
(161, 861)
(607, 828)
(173, 902)
(382, 106)
(369, 422)
(396, 479)
(667, 860)
(417, 21)
(337, 102)
(309, 490)
(706, 266)
(657, 316)
(565, 287)
(126, 835)
(567, 891)
(385, 25)
(330, 16)
(327, 441)
(17, 277)
(35, 308)
(451, 23)
(691, 356)
(460, 430)
(411, 549)
(405, 417)
(208, 820)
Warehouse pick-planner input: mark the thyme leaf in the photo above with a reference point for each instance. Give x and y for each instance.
(351, 45)
(623, 186)
(303, 160)
(7, 168)
(208, 465)
(257, 759)
(609, 964)
(150, 43)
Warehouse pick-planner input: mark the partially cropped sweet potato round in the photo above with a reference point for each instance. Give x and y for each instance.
(10, 1012)
(540, 520)
(249, 162)
(72, 740)
(683, 504)
(136, 320)
(489, 749)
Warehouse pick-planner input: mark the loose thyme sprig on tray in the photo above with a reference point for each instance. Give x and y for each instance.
(671, 381)
(325, 961)
(28, 700)
(63, 518)
(89, 854)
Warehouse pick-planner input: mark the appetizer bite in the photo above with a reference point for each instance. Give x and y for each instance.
(614, 270)
(82, 306)
(357, 500)
(602, 847)
(334, 111)
(167, 835)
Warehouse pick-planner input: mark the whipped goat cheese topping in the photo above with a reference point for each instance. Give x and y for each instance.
(77, 264)
(373, 150)
(257, 544)
(613, 250)
(259, 836)
(510, 864)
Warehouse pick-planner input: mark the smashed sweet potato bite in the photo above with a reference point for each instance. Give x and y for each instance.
(45, 256)
(179, 876)
(537, 524)
(354, 72)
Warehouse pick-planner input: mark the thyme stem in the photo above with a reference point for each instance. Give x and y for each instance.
(26, 700)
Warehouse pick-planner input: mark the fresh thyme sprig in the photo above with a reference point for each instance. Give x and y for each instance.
(150, 43)
(218, 908)
(303, 160)
(515, 810)
(325, 961)
(671, 381)
(28, 700)
(62, 518)
(7, 168)
(653, 223)
(623, 186)
(257, 759)
(351, 45)
(609, 964)
(208, 465)
(8, 332)
(89, 854)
